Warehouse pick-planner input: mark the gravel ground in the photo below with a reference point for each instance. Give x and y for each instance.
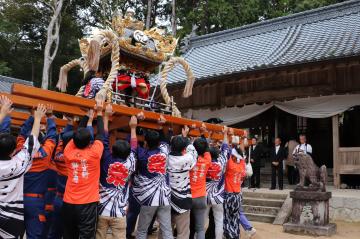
(268, 231)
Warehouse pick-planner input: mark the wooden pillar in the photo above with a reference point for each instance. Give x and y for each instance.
(276, 123)
(335, 132)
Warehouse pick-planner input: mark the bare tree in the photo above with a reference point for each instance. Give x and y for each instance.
(173, 17)
(52, 40)
(148, 15)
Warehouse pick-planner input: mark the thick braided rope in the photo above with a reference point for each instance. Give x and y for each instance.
(190, 78)
(105, 92)
(62, 82)
(85, 68)
(189, 84)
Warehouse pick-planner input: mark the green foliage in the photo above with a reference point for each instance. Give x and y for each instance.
(216, 15)
(4, 69)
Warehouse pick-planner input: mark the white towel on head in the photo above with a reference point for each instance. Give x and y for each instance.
(237, 155)
(235, 139)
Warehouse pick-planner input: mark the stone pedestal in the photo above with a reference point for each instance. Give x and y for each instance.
(310, 214)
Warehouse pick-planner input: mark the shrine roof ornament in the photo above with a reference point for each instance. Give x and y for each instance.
(128, 54)
(153, 44)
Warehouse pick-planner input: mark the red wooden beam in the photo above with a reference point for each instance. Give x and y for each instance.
(28, 96)
(22, 116)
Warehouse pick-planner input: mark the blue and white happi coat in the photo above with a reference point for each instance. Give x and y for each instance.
(215, 188)
(114, 198)
(151, 188)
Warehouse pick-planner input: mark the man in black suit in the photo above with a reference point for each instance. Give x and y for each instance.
(278, 154)
(256, 153)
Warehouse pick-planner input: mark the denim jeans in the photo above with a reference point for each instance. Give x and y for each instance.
(198, 211)
(243, 219)
(56, 230)
(218, 212)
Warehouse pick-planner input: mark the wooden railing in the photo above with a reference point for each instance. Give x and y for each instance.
(349, 160)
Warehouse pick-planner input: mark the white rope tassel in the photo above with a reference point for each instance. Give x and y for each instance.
(189, 83)
(115, 58)
(63, 76)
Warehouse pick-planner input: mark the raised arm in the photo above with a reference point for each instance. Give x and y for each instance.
(203, 130)
(38, 114)
(133, 137)
(108, 113)
(6, 108)
(51, 125)
(84, 120)
(190, 150)
(69, 126)
(225, 149)
(162, 122)
(51, 135)
(90, 117)
(106, 141)
(5, 125)
(24, 156)
(100, 122)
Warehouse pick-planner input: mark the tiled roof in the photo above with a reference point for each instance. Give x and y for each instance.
(6, 83)
(315, 35)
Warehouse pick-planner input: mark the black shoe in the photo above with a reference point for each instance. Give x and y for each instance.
(280, 188)
(152, 230)
(272, 188)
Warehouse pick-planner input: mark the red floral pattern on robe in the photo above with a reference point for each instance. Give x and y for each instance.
(117, 174)
(157, 163)
(214, 171)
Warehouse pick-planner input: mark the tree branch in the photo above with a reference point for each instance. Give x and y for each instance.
(56, 38)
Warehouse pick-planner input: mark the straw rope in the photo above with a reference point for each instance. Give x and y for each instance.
(62, 83)
(189, 83)
(105, 92)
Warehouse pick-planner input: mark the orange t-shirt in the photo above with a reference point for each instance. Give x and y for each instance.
(235, 172)
(83, 167)
(198, 176)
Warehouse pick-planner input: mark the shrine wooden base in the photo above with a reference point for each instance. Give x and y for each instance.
(29, 97)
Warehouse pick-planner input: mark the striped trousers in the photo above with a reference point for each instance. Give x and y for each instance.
(232, 207)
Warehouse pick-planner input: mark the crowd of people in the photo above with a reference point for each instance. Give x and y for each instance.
(73, 183)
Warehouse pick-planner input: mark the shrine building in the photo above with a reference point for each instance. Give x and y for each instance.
(282, 77)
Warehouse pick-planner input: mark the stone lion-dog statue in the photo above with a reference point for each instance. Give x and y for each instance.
(308, 170)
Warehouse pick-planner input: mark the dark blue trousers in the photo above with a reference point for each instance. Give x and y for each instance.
(34, 217)
(132, 215)
(49, 201)
(56, 230)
